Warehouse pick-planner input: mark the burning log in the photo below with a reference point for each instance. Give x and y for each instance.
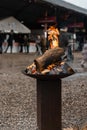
(49, 57)
(50, 65)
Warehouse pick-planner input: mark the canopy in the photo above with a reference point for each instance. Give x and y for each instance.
(67, 5)
(10, 23)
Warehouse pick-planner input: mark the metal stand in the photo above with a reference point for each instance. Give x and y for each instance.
(49, 104)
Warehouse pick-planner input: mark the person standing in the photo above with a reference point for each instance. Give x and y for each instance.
(10, 41)
(70, 56)
(1, 41)
(38, 45)
(26, 45)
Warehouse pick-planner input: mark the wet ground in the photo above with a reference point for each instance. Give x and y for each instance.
(18, 94)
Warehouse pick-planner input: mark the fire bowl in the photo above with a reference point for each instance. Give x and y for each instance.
(47, 76)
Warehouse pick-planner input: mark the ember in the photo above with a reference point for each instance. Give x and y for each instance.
(50, 63)
(58, 68)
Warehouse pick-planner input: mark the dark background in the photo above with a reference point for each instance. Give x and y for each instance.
(30, 11)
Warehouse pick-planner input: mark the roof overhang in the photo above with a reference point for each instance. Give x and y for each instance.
(67, 5)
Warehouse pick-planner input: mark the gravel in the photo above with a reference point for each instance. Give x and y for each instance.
(18, 94)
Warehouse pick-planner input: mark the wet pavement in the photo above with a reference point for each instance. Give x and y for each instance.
(18, 94)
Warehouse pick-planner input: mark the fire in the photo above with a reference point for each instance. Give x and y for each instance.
(50, 63)
(53, 34)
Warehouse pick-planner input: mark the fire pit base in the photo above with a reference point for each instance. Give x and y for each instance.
(49, 104)
(48, 100)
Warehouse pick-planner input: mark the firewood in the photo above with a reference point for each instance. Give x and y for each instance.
(50, 56)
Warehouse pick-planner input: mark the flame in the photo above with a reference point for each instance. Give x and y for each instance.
(53, 36)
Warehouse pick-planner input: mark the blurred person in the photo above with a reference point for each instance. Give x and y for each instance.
(81, 42)
(43, 44)
(84, 54)
(63, 40)
(66, 45)
(70, 56)
(68, 53)
(63, 43)
(38, 44)
(21, 42)
(10, 41)
(1, 41)
(26, 45)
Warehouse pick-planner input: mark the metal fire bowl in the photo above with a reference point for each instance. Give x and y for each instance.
(47, 77)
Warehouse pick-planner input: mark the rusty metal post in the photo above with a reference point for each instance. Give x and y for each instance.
(49, 104)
